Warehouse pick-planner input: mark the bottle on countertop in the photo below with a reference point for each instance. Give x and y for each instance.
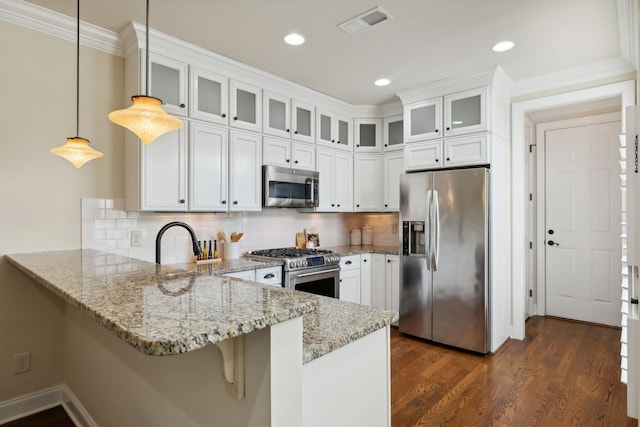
(204, 251)
(215, 249)
(367, 235)
(210, 251)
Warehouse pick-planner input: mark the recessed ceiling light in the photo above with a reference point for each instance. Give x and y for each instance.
(503, 46)
(294, 39)
(382, 82)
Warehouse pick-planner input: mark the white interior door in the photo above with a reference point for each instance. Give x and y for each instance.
(582, 229)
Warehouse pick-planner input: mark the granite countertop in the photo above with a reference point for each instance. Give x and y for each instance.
(164, 310)
(347, 250)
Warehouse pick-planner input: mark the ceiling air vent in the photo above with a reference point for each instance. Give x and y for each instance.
(365, 21)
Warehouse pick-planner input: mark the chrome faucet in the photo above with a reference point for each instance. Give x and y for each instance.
(194, 240)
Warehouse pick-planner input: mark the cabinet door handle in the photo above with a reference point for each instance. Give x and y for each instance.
(269, 276)
(358, 145)
(386, 145)
(437, 131)
(288, 160)
(386, 205)
(332, 205)
(235, 118)
(181, 105)
(287, 130)
(296, 162)
(338, 205)
(357, 206)
(235, 202)
(388, 260)
(181, 200)
(296, 132)
(333, 140)
(224, 202)
(348, 262)
(448, 159)
(448, 128)
(364, 260)
(437, 160)
(223, 115)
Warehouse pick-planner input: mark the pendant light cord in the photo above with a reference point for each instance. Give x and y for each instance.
(78, 75)
(146, 90)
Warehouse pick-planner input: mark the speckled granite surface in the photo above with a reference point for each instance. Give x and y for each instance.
(357, 250)
(164, 310)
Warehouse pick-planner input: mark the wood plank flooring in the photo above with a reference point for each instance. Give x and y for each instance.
(563, 374)
(54, 417)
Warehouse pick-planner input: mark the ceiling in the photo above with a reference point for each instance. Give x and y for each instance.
(425, 41)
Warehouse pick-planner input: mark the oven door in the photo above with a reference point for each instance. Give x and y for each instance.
(323, 280)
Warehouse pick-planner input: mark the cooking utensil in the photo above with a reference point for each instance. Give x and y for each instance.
(222, 236)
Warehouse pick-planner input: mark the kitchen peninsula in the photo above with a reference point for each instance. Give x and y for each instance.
(284, 355)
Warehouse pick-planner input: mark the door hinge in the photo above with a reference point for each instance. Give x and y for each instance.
(530, 245)
(530, 197)
(530, 293)
(531, 148)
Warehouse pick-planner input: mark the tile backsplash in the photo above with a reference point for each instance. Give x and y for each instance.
(107, 226)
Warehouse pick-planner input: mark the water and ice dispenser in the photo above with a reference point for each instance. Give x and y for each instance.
(413, 238)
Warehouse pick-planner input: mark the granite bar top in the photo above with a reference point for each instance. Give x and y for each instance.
(164, 310)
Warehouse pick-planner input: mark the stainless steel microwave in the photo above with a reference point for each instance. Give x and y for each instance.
(289, 188)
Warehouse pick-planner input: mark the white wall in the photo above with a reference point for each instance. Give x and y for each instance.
(41, 192)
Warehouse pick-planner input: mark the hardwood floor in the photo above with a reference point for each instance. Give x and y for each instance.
(54, 417)
(563, 374)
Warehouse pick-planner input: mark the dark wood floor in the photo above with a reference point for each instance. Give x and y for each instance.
(563, 374)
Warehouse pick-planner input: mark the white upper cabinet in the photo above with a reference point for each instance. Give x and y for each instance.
(245, 171)
(208, 157)
(423, 120)
(393, 133)
(303, 122)
(333, 130)
(336, 182)
(464, 112)
(423, 155)
(168, 81)
(368, 135)
(393, 165)
(289, 154)
(208, 96)
(466, 150)
(367, 181)
(245, 106)
(163, 173)
(277, 114)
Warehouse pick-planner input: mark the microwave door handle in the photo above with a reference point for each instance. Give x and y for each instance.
(309, 182)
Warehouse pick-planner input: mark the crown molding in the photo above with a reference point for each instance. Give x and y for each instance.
(55, 24)
(597, 71)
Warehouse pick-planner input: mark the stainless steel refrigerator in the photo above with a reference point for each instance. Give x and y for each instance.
(444, 257)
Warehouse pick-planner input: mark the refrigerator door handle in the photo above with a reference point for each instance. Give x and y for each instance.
(427, 229)
(436, 230)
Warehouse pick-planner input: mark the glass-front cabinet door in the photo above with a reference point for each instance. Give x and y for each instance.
(245, 105)
(333, 130)
(168, 82)
(465, 112)
(423, 120)
(276, 120)
(368, 135)
(393, 133)
(344, 138)
(302, 121)
(208, 97)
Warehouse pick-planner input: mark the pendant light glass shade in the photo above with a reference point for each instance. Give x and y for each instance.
(77, 151)
(146, 118)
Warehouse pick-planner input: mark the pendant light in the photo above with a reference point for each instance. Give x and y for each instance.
(145, 117)
(77, 149)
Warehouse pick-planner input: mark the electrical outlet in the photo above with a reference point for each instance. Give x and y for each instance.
(136, 238)
(21, 362)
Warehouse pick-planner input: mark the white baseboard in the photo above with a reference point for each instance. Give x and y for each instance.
(42, 400)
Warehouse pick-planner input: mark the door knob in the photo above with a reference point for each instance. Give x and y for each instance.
(552, 243)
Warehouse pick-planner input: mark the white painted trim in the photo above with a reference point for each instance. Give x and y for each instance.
(626, 90)
(541, 129)
(584, 74)
(75, 410)
(55, 24)
(42, 400)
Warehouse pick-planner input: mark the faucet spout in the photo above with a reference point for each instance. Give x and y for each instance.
(194, 240)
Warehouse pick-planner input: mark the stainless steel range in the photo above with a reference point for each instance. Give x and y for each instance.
(310, 270)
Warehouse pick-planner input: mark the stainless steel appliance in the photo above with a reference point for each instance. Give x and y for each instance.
(444, 275)
(310, 270)
(289, 188)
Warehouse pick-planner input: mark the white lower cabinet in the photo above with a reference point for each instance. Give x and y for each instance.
(350, 278)
(246, 275)
(269, 275)
(365, 279)
(385, 281)
(392, 276)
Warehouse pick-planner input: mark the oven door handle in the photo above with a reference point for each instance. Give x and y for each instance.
(318, 272)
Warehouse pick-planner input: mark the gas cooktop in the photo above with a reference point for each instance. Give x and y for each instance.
(295, 259)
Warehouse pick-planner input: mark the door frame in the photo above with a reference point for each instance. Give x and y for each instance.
(626, 91)
(541, 129)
